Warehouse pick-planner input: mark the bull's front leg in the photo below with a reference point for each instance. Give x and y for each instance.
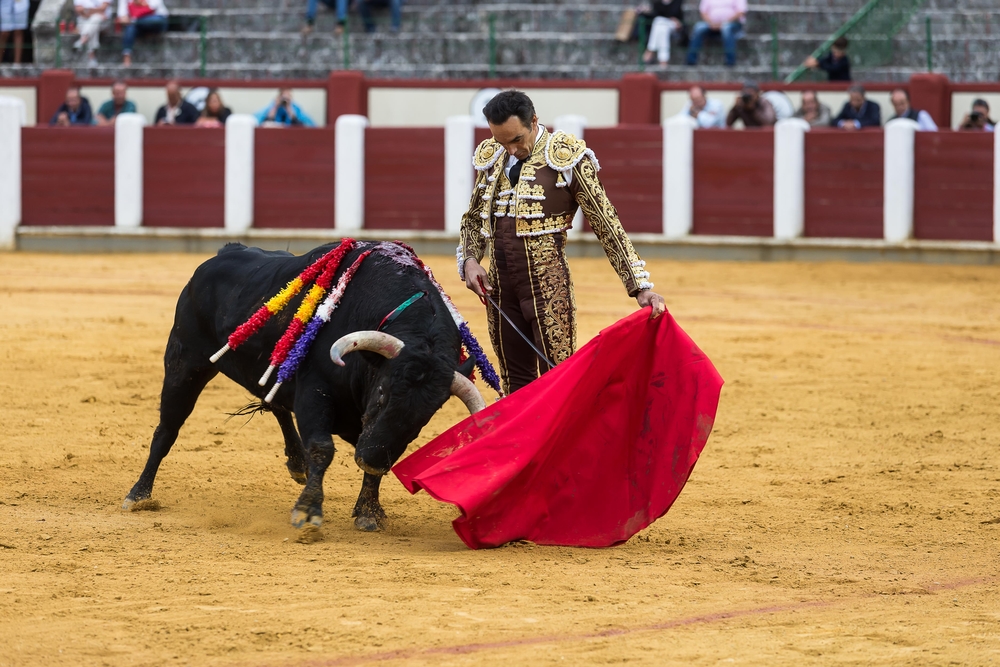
(368, 513)
(317, 444)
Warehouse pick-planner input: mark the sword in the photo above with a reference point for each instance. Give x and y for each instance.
(520, 333)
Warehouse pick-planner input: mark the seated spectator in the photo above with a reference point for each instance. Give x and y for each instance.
(140, 17)
(719, 17)
(13, 19)
(858, 112)
(214, 113)
(395, 7)
(339, 6)
(835, 63)
(283, 112)
(667, 23)
(91, 19)
(74, 111)
(900, 99)
(177, 110)
(109, 111)
(751, 108)
(812, 111)
(706, 112)
(979, 118)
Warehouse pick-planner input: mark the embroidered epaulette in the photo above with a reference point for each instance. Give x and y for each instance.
(563, 151)
(487, 154)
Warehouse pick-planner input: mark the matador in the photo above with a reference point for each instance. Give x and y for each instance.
(529, 184)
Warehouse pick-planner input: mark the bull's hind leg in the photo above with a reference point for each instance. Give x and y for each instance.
(182, 384)
(368, 513)
(293, 445)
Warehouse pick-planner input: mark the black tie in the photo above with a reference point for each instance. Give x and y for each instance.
(515, 173)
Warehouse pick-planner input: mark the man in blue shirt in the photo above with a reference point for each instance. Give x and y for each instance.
(283, 112)
(74, 111)
(858, 112)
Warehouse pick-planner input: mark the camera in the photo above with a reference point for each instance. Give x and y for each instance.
(975, 116)
(747, 98)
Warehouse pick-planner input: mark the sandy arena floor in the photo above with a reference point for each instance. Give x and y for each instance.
(845, 510)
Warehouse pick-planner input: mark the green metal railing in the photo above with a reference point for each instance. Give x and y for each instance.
(346, 43)
(643, 28)
(774, 48)
(871, 32)
(203, 46)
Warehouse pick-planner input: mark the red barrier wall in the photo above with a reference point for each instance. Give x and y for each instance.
(294, 178)
(631, 160)
(183, 177)
(67, 176)
(843, 183)
(953, 186)
(404, 178)
(734, 182)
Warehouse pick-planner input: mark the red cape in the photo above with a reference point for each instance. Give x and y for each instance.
(587, 455)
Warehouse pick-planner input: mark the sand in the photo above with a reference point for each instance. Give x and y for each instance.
(845, 510)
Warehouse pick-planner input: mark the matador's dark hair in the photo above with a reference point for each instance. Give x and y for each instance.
(509, 103)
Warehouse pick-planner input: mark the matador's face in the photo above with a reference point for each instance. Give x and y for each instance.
(516, 138)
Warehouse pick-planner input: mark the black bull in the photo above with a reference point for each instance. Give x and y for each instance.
(376, 403)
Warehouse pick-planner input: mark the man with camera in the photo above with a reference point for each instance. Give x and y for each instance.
(751, 108)
(283, 112)
(979, 118)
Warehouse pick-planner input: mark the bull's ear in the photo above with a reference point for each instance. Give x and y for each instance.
(466, 367)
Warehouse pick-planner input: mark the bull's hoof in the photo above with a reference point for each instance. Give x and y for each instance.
(368, 524)
(132, 504)
(297, 470)
(302, 518)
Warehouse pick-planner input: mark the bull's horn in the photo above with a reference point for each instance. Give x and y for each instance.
(372, 341)
(464, 388)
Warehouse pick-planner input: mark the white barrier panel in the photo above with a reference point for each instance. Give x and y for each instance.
(12, 116)
(897, 214)
(789, 178)
(240, 129)
(349, 183)
(459, 145)
(678, 176)
(576, 125)
(128, 169)
(996, 187)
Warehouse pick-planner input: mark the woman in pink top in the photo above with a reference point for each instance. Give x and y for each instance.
(719, 17)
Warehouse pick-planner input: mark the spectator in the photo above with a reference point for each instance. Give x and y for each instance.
(979, 118)
(140, 17)
(339, 6)
(813, 111)
(283, 112)
(214, 113)
(667, 24)
(751, 108)
(109, 111)
(900, 99)
(177, 110)
(74, 111)
(13, 19)
(395, 7)
(719, 17)
(835, 63)
(858, 112)
(91, 17)
(706, 112)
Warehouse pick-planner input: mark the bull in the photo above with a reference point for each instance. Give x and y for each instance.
(377, 399)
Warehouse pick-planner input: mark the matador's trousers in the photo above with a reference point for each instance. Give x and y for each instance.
(531, 282)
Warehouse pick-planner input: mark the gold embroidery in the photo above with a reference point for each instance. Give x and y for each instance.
(486, 154)
(552, 284)
(564, 151)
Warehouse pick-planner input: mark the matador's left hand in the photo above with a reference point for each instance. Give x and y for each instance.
(650, 298)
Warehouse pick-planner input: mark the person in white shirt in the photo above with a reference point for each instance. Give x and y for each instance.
(719, 17)
(140, 17)
(706, 112)
(91, 17)
(900, 99)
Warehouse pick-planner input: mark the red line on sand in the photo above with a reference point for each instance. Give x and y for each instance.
(462, 649)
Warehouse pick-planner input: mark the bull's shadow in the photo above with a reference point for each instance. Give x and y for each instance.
(378, 399)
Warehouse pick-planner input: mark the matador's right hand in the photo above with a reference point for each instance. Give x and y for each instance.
(475, 275)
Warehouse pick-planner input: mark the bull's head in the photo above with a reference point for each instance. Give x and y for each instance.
(406, 396)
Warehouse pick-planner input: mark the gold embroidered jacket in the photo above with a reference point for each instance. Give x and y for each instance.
(559, 177)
